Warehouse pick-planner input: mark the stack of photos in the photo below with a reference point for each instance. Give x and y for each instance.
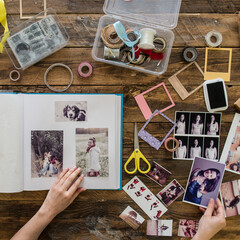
(158, 174)
(230, 194)
(187, 228)
(132, 218)
(171, 192)
(159, 228)
(198, 134)
(204, 182)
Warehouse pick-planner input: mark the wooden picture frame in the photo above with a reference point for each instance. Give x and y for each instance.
(28, 17)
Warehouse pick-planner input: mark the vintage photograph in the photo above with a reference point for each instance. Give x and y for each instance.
(132, 218)
(197, 123)
(195, 147)
(70, 111)
(230, 194)
(158, 174)
(211, 148)
(212, 126)
(92, 151)
(171, 192)
(204, 181)
(46, 153)
(159, 228)
(187, 228)
(182, 120)
(182, 151)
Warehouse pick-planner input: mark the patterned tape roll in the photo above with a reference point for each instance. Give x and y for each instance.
(174, 140)
(192, 51)
(12, 73)
(89, 69)
(215, 34)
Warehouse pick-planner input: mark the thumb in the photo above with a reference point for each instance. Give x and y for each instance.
(210, 208)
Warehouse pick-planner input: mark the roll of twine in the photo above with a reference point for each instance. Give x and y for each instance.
(159, 44)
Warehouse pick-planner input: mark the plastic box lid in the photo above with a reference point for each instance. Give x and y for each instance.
(158, 12)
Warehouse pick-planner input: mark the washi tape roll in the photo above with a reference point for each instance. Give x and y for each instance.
(14, 75)
(190, 54)
(146, 41)
(213, 34)
(174, 140)
(159, 44)
(85, 69)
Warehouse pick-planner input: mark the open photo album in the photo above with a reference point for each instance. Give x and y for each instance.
(42, 134)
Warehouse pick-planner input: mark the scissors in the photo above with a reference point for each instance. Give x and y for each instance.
(137, 156)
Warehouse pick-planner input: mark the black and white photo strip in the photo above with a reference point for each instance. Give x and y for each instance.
(198, 134)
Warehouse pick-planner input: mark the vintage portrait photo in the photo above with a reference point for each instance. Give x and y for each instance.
(171, 192)
(46, 153)
(187, 228)
(158, 174)
(182, 151)
(204, 181)
(70, 111)
(159, 228)
(92, 151)
(182, 121)
(132, 218)
(195, 147)
(211, 148)
(212, 125)
(197, 123)
(230, 194)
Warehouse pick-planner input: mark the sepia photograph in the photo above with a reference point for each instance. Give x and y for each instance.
(187, 228)
(159, 228)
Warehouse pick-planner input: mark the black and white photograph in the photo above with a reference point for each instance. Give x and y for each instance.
(195, 147)
(182, 151)
(70, 111)
(46, 153)
(212, 125)
(197, 123)
(211, 148)
(92, 151)
(182, 121)
(159, 228)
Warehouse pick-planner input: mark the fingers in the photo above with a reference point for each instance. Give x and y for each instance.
(69, 180)
(203, 210)
(77, 192)
(64, 178)
(220, 208)
(210, 208)
(75, 185)
(61, 175)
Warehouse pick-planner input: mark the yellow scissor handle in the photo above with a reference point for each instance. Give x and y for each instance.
(3, 21)
(139, 157)
(133, 156)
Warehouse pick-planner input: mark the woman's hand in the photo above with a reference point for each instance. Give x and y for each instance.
(63, 192)
(211, 222)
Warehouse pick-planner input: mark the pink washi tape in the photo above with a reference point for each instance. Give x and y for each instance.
(174, 140)
(85, 69)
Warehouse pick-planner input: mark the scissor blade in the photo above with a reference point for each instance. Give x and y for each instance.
(136, 143)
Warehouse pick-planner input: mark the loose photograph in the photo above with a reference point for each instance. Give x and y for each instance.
(46, 153)
(158, 174)
(213, 121)
(182, 151)
(132, 218)
(171, 192)
(195, 147)
(182, 120)
(159, 228)
(211, 148)
(230, 194)
(203, 182)
(197, 123)
(70, 111)
(187, 228)
(92, 151)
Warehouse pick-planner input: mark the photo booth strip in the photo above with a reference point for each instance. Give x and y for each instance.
(177, 85)
(143, 105)
(147, 137)
(144, 198)
(213, 75)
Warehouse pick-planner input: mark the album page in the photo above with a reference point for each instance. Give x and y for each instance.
(61, 131)
(11, 143)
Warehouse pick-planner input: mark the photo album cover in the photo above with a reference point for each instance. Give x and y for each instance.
(198, 134)
(42, 134)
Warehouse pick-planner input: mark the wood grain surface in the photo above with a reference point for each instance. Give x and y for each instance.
(94, 214)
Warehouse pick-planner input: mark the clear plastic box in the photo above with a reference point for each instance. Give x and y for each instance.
(160, 15)
(35, 39)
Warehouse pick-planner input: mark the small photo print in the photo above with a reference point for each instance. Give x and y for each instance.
(230, 193)
(182, 151)
(171, 192)
(158, 174)
(187, 228)
(213, 121)
(211, 148)
(204, 182)
(197, 123)
(159, 228)
(92, 151)
(182, 121)
(195, 147)
(70, 111)
(132, 218)
(46, 153)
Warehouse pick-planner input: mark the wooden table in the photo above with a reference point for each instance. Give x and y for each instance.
(94, 214)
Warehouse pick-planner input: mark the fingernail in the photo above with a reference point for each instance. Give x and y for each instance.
(79, 169)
